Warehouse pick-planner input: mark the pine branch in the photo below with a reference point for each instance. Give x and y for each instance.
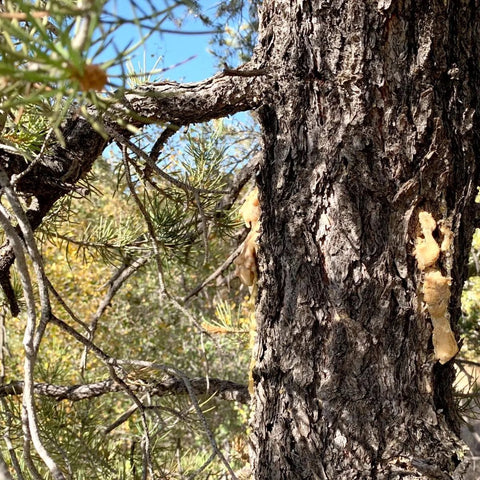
(55, 173)
(183, 104)
(224, 389)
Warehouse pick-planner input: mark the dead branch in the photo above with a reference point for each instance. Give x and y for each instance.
(224, 389)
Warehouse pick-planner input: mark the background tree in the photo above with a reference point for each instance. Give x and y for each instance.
(368, 118)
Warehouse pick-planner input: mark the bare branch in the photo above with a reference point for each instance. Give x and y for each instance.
(215, 274)
(225, 389)
(115, 283)
(82, 25)
(34, 254)
(29, 418)
(161, 140)
(183, 104)
(170, 385)
(65, 306)
(150, 226)
(239, 72)
(122, 418)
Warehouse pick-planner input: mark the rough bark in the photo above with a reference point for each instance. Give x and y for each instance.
(369, 119)
(223, 389)
(182, 104)
(369, 116)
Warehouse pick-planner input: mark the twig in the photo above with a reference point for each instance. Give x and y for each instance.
(191, 32)
(224, 389)
(82, 339)
(227, 201)
(122, 140)
(148, 221)
(467, 362)
(82, 25)
(147, 460)
(162, 290)
(29, 420)
(170, 131)
(121, 419)
(64, 304)
(215, 274)
(236, 72)
(193, 398)
(119, 278)
(203, 467)
(115, 283)
(135, 244)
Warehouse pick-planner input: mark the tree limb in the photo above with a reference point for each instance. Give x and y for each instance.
(224, 389)
(183, 104)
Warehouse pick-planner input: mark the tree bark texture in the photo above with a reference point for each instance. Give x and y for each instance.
(371, 116)
(223, 389)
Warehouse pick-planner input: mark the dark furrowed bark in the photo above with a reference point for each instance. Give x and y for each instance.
(370, 119)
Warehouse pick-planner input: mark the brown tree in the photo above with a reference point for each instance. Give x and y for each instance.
(370, 118)
(368, 113)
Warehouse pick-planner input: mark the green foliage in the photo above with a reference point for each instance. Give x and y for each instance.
(44, 61)
(239, 20)
(49, 63)
(469, 321)
(52, 65)
(99, 232)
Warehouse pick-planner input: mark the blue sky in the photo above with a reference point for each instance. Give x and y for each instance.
(173, 48)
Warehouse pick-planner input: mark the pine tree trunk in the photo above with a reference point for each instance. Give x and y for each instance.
(370, 119)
